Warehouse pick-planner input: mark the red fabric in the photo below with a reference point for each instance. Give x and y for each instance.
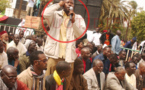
(104, 31)
(3, 32)
(60, 87)
(107, 42)
(91, 59)
(78, 52)
(21, 86)
(110, 67)
(84, 62)
(3, 18)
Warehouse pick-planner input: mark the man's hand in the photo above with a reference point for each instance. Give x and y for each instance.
(61, 3)
(16, 63)
(73, 16)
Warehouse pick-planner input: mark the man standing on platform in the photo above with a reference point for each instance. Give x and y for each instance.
(64, 25)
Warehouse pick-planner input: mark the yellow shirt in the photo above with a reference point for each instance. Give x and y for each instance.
(63, 28)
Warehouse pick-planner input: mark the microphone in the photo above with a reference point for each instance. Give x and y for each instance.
(71, 9)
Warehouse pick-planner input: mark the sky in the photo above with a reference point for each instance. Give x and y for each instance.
(141, 3)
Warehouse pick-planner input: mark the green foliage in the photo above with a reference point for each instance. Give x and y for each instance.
(138, 26)
(4, 4)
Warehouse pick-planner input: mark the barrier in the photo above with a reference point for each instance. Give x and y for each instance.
(132, 53)
(16, 29)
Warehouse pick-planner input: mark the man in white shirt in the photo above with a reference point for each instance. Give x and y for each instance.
(15, 43)
(3, 56)
(21, 35)
(130, 76)
(96, 37)
(30, 6)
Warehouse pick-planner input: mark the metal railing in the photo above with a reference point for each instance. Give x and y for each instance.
(130, 51)
(13, 28)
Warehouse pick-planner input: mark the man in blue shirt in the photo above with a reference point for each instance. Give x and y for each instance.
(115, 42)
(104, 57)
(129, 44)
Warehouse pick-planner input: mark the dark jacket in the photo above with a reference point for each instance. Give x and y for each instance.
(50, 83)
(103, 38)
(80, 85)
(88, 64)
(105, 61)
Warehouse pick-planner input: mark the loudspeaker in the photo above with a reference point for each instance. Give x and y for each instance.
(94, 8)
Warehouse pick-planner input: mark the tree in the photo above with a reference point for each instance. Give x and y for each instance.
(138, 26)
(113, 12)
(4, 4)
(131, 13)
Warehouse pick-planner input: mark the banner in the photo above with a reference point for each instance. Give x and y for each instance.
(32, 22)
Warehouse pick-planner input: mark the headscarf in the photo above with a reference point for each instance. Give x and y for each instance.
(27, 43)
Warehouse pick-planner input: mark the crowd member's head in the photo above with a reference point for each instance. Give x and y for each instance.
(39, 42)
(98, 66)
(122, 55)
(78, 66)
(38, 60)
(113, 59)
(12, 53)
(130, 68)
(9, 76)
(1, 47)
(91, 45)
(97, 29)
(133, 40)
(135, 59)
(142, 68)
(118, 32)
(139, 56)
(120, 73)
(16, 39)
(4, 36)
(79, 44)
(104, 31)
(11, 36)
(67, 5)
(143, 56)
(34, 38)
(85, 53)
(31, 46)
(63, 69)
(108, 31)
(107, 51)
(21, 34)
(99, 48)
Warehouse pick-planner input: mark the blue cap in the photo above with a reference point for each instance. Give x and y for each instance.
(134, 38)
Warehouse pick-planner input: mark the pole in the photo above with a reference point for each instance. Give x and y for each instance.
(20, 7)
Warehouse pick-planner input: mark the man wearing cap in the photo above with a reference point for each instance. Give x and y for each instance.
(5, 39)
(106, 38)
(130, 43)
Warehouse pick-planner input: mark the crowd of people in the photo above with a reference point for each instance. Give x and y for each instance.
(40, 63)
(95, 68)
